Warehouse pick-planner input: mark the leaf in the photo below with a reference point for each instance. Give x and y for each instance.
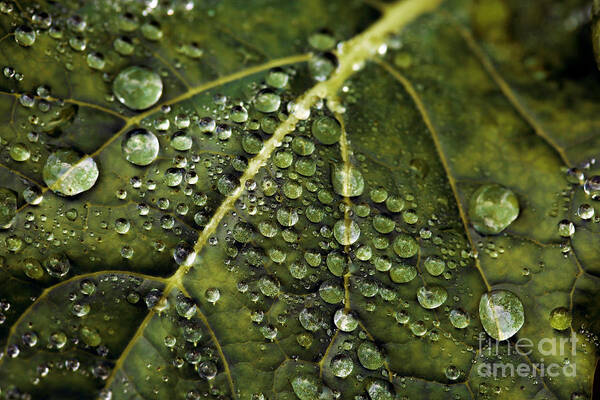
(306, 227)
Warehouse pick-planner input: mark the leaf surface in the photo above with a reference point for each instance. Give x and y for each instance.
(305, 230)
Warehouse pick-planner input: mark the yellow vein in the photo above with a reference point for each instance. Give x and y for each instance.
(434, 135)
(508, 92)
(346, 189)
(352, 54)
(71, 101)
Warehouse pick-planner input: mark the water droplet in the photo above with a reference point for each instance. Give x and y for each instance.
(493, 208)
(184, 254)
(331, 292)
(67, 173)
(435, 266)
(452, 372)
(560, 318)
(321, 41)
(57, 266)
(277, 78)
(432, 296)
(90, 336)
(326, 130)
(303, 146)
(566, 228)
(32, 195)
(585, 211)
(310, 319)
(402, 273)
(405, 246)
(345, 320)
(370, 356)
(33, 268)
(341, 365)
(591, 187)
(25, 36)
(181, 141)
(383, 224)
(501, 313)
(346, 232)
(380, 390)
(8, 208)
(96, 60)
(137, 87)
(267, 101)
(306, 387)
(19, 152)
(185, 306)
(459, 318)
(347, 181)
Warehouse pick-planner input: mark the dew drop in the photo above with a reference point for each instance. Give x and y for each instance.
(346, 232)
(493, 208)
(137, 87)
(501, 313)
(67, 173)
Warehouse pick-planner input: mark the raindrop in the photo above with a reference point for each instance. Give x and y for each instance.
(137, 87)
(501, 313)
(493, 208)
(69, 174)
(346, 232)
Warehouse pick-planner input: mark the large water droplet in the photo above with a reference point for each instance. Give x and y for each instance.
(405, 246)
(306, 387)
(493, 208)
(342, 365)
(370, 356)
(432, 296)
(138, 87)
(345, 320)
(67, 173)
(326, 130)
(347, 181)
(346, 232)
(140, 147)
(501, 313)
(267, 101)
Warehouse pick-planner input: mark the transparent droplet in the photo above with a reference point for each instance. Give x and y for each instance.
(140, 147)
(432, 296)
(326, 130)
(591, 187)
(405, 246)
(493, 208)
(25, 36)
(370, 356)
(138, 87)
(346, 232)
(341, 365)
(566, 228)
(67, 173)
(267, 101)
(501, 313)
(347, 181)
(345, 320)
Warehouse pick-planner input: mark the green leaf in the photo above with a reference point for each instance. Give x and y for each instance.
(300, 199)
